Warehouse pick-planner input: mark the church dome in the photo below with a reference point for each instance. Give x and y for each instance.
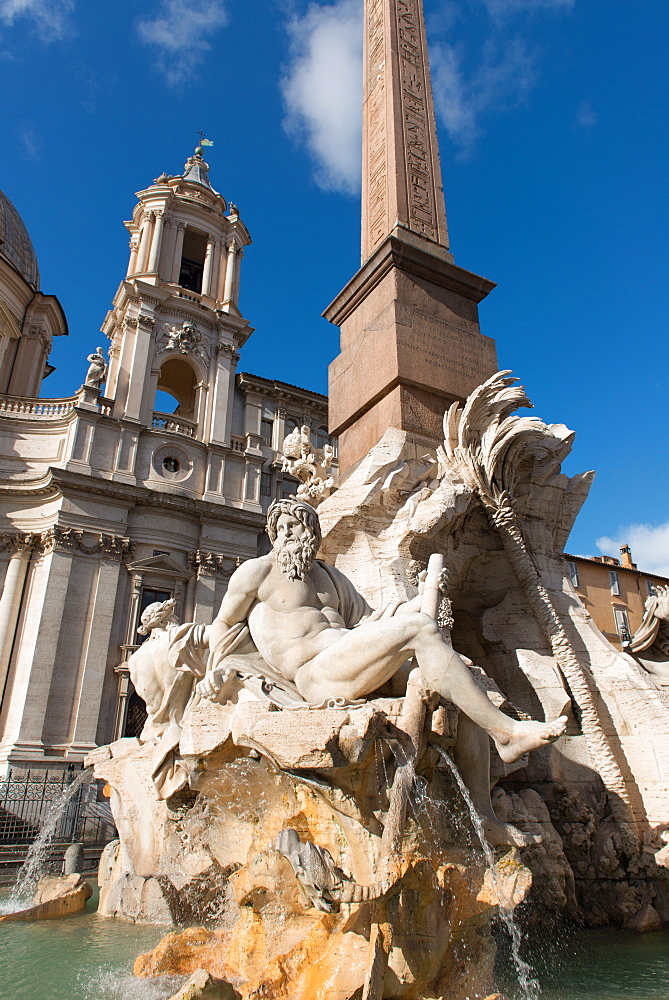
(15, 243)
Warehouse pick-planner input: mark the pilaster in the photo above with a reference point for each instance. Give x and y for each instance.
(222, 394)
(94, 655)
(54, 682)
(20, 549)
(29, 684)
(140, 366)
(210, 568)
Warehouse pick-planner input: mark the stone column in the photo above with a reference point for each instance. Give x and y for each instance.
(178, 250)
(238, 274)
(222, 267)
(156, 242)
(144, 241)
(201, 397)
(216, 271)
(20, 549)
(208, 265)
(230, 273)
(134, 250)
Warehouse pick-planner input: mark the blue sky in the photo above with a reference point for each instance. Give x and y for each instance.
(552, 117)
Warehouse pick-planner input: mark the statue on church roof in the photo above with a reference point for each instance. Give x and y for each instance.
(97, 369)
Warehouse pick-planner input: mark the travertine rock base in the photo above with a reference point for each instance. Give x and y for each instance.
(57, 896)
(276, 948)
(264, 922)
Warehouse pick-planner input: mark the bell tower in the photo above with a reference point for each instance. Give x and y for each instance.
(175, 324)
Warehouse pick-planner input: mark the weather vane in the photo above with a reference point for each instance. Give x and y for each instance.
(203, 141)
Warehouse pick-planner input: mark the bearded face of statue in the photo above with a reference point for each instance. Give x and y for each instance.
(295, 547)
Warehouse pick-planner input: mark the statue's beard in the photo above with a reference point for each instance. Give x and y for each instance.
(295, 556)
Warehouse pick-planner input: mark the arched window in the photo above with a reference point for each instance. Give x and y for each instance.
(323, 438)
(192, 260)
(177, 379)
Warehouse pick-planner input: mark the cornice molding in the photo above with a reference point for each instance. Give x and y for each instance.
(72, 539)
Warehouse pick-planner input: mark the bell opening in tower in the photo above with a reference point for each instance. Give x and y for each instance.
(192, 260)
(177, 378)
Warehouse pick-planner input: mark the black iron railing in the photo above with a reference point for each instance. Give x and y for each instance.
(27, 799)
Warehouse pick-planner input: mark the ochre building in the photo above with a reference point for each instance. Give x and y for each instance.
(613, 591)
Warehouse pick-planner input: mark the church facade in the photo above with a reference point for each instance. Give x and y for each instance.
(110, 500)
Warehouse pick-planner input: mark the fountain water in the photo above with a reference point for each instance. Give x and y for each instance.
(528, 984)
(33, 866)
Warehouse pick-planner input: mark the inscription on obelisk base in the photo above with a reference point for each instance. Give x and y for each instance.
(410, 338)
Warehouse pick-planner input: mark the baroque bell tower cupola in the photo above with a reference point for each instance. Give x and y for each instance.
(175, 325)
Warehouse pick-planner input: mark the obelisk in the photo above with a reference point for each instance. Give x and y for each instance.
(410, 339)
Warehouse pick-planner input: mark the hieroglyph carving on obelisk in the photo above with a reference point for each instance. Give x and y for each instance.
(401, 174)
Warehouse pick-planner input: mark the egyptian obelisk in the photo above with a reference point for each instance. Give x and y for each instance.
(410, 339)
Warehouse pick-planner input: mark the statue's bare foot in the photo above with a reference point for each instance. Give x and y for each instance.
(500, 834)
(527, 736)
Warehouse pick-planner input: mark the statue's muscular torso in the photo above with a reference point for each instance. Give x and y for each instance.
(291, 621)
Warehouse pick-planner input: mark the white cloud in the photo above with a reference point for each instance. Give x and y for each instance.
(586, 117)
(30, 141)
(504, 76)
(180, 31)
(649, 544)
(322, 83)
(51, 18)
(322, 90)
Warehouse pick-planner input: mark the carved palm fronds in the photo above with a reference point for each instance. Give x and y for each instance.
(485, 446)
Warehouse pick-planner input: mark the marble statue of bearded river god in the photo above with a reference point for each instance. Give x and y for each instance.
(291, 792)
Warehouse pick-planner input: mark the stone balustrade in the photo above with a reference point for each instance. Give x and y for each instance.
(238, 443)
(41, 409)
(173, 424)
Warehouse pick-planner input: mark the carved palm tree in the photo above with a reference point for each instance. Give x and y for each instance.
(485, 445)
